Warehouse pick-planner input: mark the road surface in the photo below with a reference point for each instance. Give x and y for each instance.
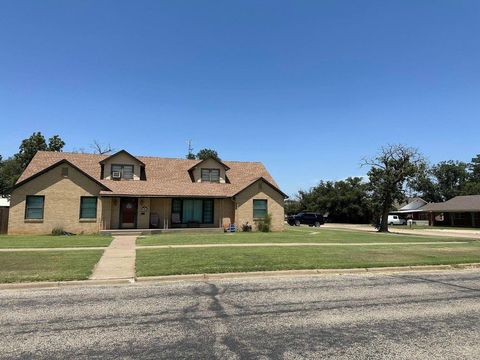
(417, 315)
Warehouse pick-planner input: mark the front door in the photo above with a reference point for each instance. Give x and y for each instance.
(128, 213)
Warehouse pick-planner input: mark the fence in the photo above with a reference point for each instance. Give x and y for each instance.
(3, 219)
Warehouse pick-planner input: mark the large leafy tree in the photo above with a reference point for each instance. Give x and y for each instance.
(12, 168)
(344, 201)
(205, 154)
(451, 177)
(391, 169)
(444, 181)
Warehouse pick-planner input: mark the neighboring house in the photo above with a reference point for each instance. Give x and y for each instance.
(458, 211)
(413, 209)
(89, 193)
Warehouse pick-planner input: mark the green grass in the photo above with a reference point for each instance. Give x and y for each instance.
(426, 227)
(296, 234)
(49, 241)
(152, 262)
(24, 266)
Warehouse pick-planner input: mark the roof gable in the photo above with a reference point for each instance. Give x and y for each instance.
(209, 159)
(54, 165)
(111, 157)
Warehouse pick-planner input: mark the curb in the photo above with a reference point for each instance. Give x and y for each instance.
(234, 275)
(64, 284)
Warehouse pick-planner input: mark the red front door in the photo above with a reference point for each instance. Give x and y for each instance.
(128, 212)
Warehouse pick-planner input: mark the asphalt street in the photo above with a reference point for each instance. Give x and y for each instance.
(419, 315)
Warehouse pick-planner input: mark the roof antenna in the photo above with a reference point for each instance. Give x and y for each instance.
(190, 154)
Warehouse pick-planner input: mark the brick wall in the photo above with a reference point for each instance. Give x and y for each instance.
(262, 191)
(61, 206)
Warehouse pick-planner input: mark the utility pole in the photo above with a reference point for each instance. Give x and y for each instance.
(190, 154)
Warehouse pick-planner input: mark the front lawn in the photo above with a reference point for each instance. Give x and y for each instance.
(21, 266)
(49, 241)
(290, 235)
(152, 262)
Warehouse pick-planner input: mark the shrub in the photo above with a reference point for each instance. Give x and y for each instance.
(57, 231)
(246, 227)
(265, 224)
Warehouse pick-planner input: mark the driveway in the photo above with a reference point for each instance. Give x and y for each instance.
(397, 316)
(458, 233)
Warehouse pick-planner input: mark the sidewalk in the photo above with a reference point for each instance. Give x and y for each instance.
(118, 260)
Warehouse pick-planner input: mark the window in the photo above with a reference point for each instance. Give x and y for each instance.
(88, 207)
(259, 209)
(126, 171)
(34, 207)
(64, 171)
(192, 210)
(210, 175)
(208, 211)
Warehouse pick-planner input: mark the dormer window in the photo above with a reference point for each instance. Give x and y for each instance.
(210, 175)
(122, 172)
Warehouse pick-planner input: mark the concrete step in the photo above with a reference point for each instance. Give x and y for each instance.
(137, 232)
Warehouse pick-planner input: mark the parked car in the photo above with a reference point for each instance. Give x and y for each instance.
(396, 220)
(308, 218)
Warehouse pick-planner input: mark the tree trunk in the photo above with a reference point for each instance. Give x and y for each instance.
(384, 222)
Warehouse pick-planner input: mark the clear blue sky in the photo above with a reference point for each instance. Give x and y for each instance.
(307, 87)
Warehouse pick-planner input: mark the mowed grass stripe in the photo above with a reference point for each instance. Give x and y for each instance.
(49, 241)
(47, 265)
(151, 262)
(294, 235)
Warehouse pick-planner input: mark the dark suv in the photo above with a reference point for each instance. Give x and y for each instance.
(308, 218)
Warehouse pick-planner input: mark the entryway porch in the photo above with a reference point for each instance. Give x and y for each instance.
(150, 215)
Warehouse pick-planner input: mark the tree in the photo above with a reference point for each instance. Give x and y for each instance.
(190, 156)
(425, 187)
(344, 201)
(12, 168)
(474, 168)
(36, 142)
(100, 149)
(451, 177)
(292, 206)
(205, 154)
(390, 170)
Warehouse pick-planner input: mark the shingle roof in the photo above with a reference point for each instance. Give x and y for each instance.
(458, 203)
(165, 176)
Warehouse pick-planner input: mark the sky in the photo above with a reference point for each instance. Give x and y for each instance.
(309, 88)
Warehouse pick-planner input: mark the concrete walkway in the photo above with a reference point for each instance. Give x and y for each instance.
(118, 260)
(298, 244)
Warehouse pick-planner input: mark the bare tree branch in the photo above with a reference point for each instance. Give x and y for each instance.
(98, 148)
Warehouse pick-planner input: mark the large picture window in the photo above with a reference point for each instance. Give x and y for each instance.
(210, 175)
(34, 207)
(260, 209)
(88, 207)
(192, 211)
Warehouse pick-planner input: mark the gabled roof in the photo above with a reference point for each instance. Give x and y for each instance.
(202, 161)
(118, 153)
(22, 180)
(166, 177)
(457, 204)
(261, 178)
(413, 204)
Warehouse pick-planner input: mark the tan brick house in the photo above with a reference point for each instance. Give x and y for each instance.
(90, 193)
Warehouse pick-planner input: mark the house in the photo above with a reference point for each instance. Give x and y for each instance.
(413, 209)
(91, 193)
(462, 211)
